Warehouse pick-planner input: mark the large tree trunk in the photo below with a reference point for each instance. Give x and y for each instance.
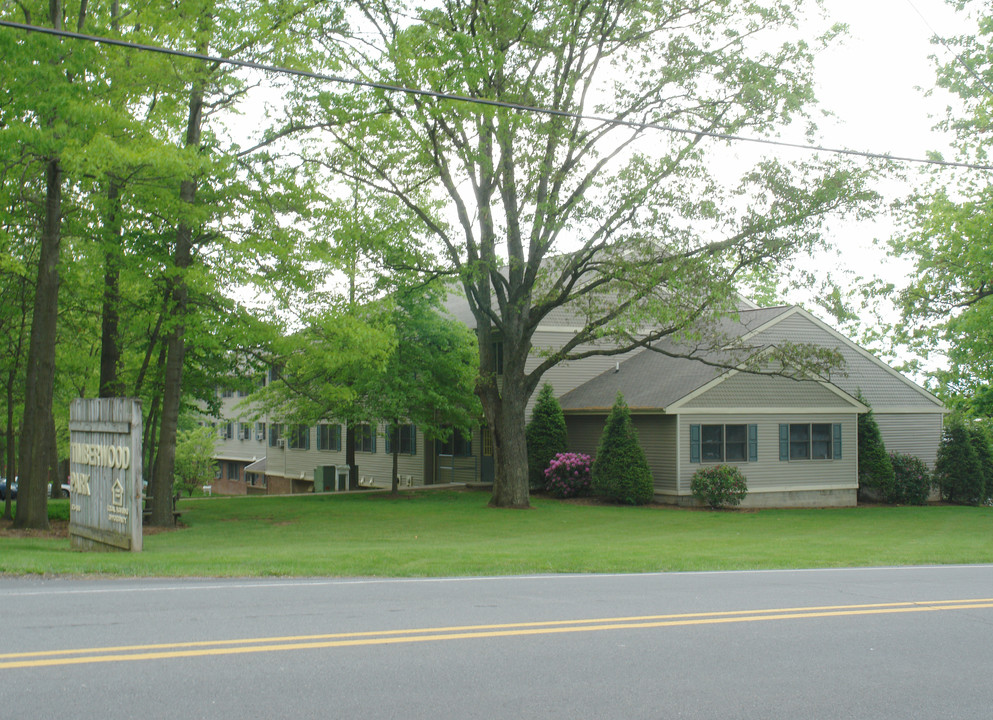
(9, 447)
(39, 389)
(504, 407)
(162, 480)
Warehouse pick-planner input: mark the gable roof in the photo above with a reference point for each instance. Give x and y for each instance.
(652, 381)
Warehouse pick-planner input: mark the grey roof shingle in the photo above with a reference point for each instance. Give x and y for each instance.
(654, 380)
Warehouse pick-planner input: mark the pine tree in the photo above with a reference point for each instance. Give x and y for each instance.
(620, 471)
(546, 435)
(875, 468)
(958, 469)
(984, 454)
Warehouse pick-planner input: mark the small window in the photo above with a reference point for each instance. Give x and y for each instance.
(402, 439)
(298, 437)
(724, 443)
(260, 431)
(810, 441)
(736, 443)
(365, 438)
(329, 437)
(275, 432)
(459, 444)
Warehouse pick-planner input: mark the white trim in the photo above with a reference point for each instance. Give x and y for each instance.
(772, 411)
(791, 488)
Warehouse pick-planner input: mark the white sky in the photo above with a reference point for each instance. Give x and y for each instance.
(873, 81)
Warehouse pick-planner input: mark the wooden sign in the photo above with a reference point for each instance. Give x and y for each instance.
(105, 474)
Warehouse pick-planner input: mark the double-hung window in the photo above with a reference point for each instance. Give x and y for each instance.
(298, 437)
(458, 444)
(329, 437)
(365, 438)
(810, 441)
(402, 439)
(723, 443)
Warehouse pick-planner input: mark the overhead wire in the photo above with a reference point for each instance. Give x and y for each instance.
(637, 125)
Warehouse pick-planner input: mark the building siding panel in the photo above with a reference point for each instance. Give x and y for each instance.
(768, 473)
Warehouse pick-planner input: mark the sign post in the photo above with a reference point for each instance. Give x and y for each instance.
(105, 474)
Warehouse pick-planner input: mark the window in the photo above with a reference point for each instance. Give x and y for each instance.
(260, 431)
(244, 431)
(498, 357)
(458, 444)
(275, 431)
(227, 392)
(487, 441)
(329, 437)
(365, 438)
(723, 443)
(233, 471)
(226, 430)
(810, 441)
(298, 437)
(402, 439)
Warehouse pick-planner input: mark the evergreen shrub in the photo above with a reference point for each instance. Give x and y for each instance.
(912, 480)
(545, 435)
(620, 471)
(719, 486)
(875, 468)
(958, 469)
(569, 475)
(984, 453)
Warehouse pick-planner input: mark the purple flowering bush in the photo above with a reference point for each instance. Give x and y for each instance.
(569, 475)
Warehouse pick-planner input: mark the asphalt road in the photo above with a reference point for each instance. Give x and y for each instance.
(865, 643)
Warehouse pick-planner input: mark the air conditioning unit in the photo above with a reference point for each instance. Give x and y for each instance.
(281, 442)
(260, 435)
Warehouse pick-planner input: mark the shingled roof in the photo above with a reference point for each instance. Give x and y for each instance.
(653, 380)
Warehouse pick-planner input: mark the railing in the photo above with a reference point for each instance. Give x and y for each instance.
(457, 468)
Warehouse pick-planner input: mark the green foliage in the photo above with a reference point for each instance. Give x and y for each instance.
(947, 308)
(875, 468)
(502, 195)
(958, 469)
(719, 486)
(194, 458)
(620, 471)
(912, 480)
(980, 438)
(546, 435)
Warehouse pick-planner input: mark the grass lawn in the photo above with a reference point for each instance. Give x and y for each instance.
(449, 533)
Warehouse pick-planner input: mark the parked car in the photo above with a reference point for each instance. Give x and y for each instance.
(3, 489)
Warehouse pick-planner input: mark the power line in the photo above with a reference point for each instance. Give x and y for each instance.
(483, 101)
(961, 61)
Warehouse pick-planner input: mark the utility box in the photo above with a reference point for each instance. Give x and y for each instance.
(331, 478)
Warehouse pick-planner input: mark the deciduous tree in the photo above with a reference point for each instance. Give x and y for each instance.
(621, 226)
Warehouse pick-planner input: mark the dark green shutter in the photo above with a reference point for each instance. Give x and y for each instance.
(694, 443)
(389, 438)
(413, 439)
(753, 443)
(784, 441)
(837, 441)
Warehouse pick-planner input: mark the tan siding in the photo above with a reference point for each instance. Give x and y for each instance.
(569, 375)
(911, 434)
(769, 473)
(743, 390)
(880, 387)
(656, 435)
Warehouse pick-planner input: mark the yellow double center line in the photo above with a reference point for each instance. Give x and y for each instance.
(207, 648)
